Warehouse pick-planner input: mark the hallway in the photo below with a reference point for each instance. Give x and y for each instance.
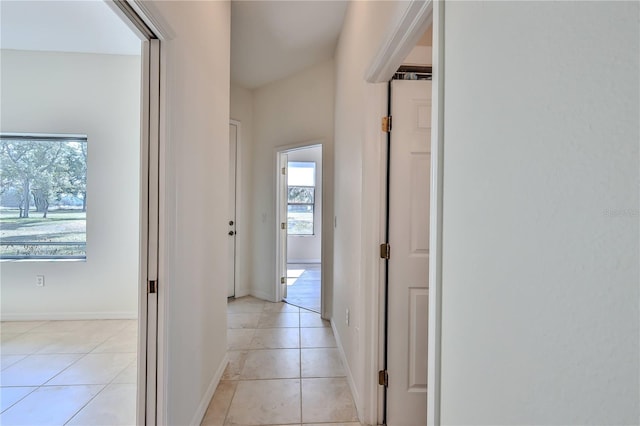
(284, 368)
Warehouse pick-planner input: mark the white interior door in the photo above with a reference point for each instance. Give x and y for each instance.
(233, 150)
(409, 260)
(283, 165)
(149, 235)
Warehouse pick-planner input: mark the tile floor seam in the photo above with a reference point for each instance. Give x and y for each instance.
(64, 369)
(324, 374)
(121, 371)
(32, 391)
(87, 403)
(226, 412)
(113, 330)
(300, 352)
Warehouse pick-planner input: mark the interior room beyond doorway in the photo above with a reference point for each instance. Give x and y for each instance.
(304, 227)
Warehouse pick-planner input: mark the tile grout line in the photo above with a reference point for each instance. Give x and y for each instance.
(87, 403)
(300, 353)
(81, 355)
(255, 332)
(35, 388)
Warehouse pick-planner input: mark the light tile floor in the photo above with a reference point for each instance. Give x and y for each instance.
(68, 372)
(284, 368)
(303, 285)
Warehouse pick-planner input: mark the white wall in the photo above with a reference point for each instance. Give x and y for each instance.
(422, 53)
(291, 111)
(96, 95)
(540, 265)
(242, 111)
(308, 248)
(357, 150)
(194, 198)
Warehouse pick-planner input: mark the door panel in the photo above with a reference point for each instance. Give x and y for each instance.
(418, 302)
(409, 261)
(419, 196)
(233, 149)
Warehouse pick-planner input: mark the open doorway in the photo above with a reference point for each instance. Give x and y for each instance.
(74, 234)
(300, 210)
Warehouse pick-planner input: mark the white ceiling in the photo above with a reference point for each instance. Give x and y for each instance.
(271, 40)
(65, 26)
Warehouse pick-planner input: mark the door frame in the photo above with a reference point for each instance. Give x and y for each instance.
(277, 151)
(394, 48)
(282, 175)
(151, 351)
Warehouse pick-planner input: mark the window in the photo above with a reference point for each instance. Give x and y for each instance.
(43, 196)
(301, 183)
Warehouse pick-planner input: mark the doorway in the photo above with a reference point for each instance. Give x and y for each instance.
(403, 40)
(300, 226)
(84, 358)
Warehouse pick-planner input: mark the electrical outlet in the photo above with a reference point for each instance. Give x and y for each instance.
(39, 280)
(347, 317)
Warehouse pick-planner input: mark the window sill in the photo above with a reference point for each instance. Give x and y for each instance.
(44, 259)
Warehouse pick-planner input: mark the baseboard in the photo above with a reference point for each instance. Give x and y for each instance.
(241, 293)
(262, 295)
(303, 261)
(352, 384)
(206, 399)
(68, 316)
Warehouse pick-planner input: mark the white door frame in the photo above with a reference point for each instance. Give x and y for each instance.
(396, 45)
(151, 378)
(282, 234)
(277, 151)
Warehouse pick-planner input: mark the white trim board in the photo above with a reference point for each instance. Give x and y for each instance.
(198, 416)
(435, 225)
(400, 41)
(352, 383)
(69, 316)
(262, 295)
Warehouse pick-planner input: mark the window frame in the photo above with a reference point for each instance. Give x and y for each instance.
(312, 205)
(57, 138)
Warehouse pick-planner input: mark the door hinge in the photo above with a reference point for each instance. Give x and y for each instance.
(386, 124)
(283, 225)
(283, 280)
(385, 251)
(284, 170)
(383, 378)
(152, 286)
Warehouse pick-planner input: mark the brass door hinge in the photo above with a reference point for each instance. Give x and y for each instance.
(385, 251)
(386, 124)
(383, 378)
(284, 170)
(283, 225)
(283, 280)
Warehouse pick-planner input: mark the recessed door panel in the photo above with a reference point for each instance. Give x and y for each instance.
(418, 309)
(419, 201)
